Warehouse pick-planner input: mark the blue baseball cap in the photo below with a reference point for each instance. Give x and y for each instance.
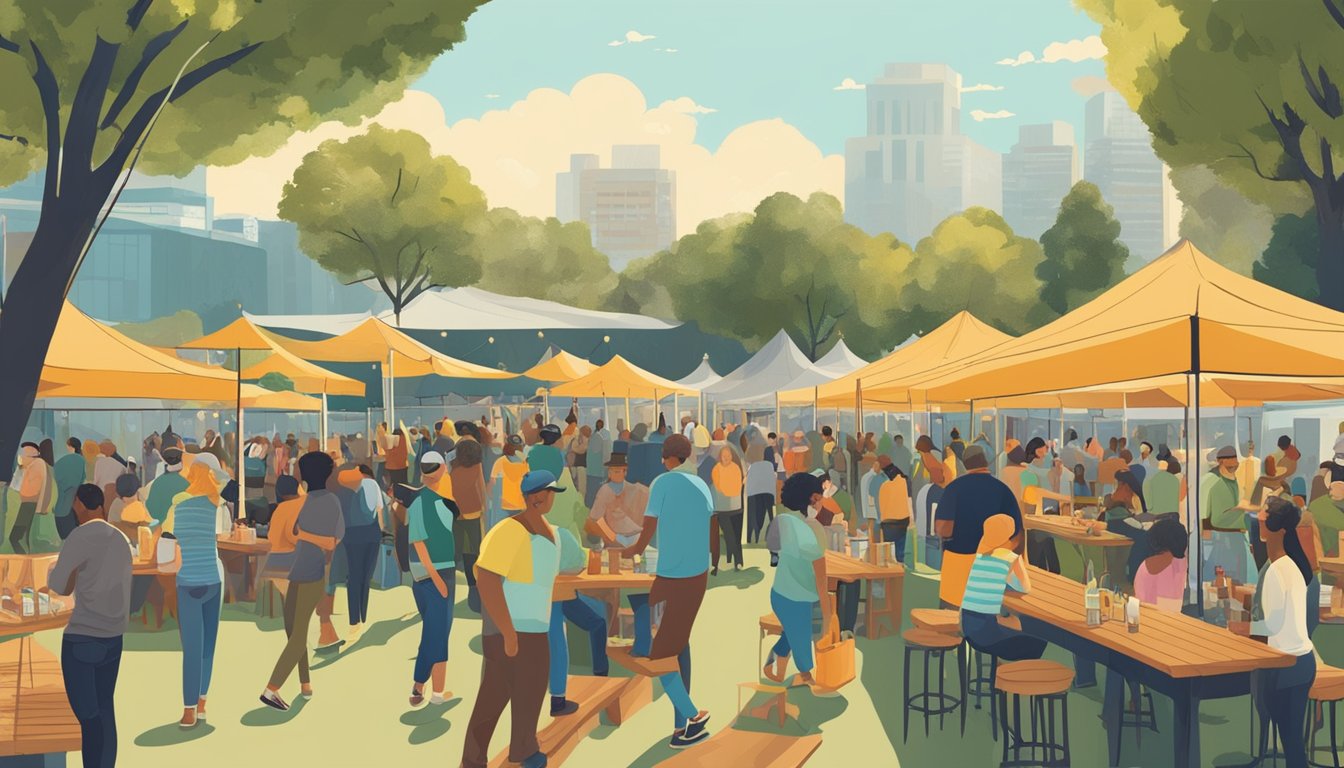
(539, 480)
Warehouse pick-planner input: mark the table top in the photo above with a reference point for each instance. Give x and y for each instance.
(259, 547)
(841, 567)
(567, 584)
(1065, 527)
(148, 568)
(11, 626)
(1174, 644)
(1333, 565)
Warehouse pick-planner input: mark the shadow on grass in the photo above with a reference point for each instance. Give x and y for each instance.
(474, 644)
(265, 717)
(142, 639)
(378, 634)
(172, 734)
(743, 579)
(429, 722)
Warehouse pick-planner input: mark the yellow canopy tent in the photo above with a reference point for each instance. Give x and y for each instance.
(240, 334)
(881, 382)
(90, 360)
(258, 398)
(374, 341)
(307, 377)
(619, 377)
(560, 367)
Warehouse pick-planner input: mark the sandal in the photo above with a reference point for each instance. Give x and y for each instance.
(417, 697)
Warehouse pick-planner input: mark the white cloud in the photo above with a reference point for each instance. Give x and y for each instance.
(980, 115)
(492, 95)
(1074, 50)
(635, 37)
(514, 153)
(979, 87)
(1087, 48)
(615, 43)
(1025, 57)
(686, 106)
(666, 50)
(849, 84)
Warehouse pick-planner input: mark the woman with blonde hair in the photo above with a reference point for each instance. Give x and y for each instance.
(996, 568)
(198, 587)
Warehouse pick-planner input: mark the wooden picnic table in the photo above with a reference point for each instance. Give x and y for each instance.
(1332, 565)
(568, 585)
(258, 550)
(1173, 654)
(35, 716)
(843, 568)
(1068, 528)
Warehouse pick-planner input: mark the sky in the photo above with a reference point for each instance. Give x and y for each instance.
(744, 97)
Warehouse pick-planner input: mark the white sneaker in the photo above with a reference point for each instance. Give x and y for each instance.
(437, 698)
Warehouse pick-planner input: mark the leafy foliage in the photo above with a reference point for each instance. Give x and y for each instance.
(1289, 262)
(541, 258)
(1083, 253)
(382, 207)
(276, 382)
(171, 331)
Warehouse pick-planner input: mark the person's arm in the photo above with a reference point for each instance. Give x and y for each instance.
(653, 508)
(823, 592)
(61, 577)
(1019, 573)
(422, 554)
(944, 520)
(491, 588)
(1272, 599)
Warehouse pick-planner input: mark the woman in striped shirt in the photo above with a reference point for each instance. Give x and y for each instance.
(996, 568)
(198, 587)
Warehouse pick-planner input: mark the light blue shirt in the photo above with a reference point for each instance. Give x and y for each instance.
(529, 602)
(795, 578)
(682, 504)
(417, 531)
(194, 527)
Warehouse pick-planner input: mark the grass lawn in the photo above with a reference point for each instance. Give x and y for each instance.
(360, 716)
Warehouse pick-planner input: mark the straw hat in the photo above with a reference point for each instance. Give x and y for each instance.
(998, 531)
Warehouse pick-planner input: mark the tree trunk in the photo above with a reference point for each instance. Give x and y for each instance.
(33, 306)
(1330, 260)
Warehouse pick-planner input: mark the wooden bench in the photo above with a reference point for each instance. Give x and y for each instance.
(937, 620)
(636, 693)
(732, 746)
(620, 654)
(35, 716)
(560, 737)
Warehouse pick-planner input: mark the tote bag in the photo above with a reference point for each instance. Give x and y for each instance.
(835, 659)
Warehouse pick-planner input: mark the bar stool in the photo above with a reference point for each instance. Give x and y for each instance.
(930, 702)
(944, 621)
(1327, 691)
(1140, 714)
(1045, 684)
(980, 683)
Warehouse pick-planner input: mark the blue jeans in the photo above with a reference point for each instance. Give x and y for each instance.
(795, 616)
(89, 666)
(1282, 697)
(436, 622)
(677, 686)
(198, 624)
(987, 635)
(590, 616)
(639, 604)
(361, 554)
(894, 531)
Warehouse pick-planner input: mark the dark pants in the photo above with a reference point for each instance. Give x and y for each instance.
(1281, 698)
(396, 476)
(730, 524)
(23, 523)
(894, 531)
(518, 682)
(1041, 551)
(588, 615)
(402, 543)
(89, 666)
(847, 605)
(65, 524)
(361, 554)
(987, 635)
(759, 507)
(436, 623)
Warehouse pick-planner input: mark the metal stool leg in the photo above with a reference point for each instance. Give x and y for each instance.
(961, 677)
(927, 664)
(906, 697)
(942, 676)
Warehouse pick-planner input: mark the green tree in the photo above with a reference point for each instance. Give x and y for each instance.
(1219, 219)
(974, 261)
(1248, 89)
(382, 207)
(1083, 252)
(792, 263)
(92, 88)
(1289, 261)
(171, 331)
(276, 382)
(541, 259)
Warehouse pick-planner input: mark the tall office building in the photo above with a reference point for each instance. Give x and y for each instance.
(630, 208)
(1118, 157)
(914, 168)
(1038, 172)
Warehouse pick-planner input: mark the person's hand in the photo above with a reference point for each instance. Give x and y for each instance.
(511, 644)
(630, 551)
(440, 585)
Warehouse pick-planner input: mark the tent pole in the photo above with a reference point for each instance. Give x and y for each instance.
(391, 408)
(238, 425)
(1193, 471)
(322, 420)
(546, 404)
(628, 425)
(676, 410)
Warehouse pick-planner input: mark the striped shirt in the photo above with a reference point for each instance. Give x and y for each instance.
(990, 574)
(194, 527)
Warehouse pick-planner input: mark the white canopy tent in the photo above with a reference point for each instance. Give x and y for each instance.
(703, 376)
(839, 361)
(777, 365)
(474, 309)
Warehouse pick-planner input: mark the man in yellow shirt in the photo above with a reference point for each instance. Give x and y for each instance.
(893, 505)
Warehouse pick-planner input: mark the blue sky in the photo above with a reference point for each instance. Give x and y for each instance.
(753, 59)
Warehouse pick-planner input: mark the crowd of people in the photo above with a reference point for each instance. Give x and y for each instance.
(513, 512)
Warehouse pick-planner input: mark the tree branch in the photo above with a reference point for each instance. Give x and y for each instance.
(140, 122)
(1255, 166)
(1289, 129)
(82, 125)
(1335, 12)
(50, 94)
(393, 202)
(377, 270)
(8, 45)
(1323, 92)
(137, 13)
(19, 139)
(152, 50)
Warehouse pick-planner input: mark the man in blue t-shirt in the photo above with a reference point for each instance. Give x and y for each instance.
(678, 512)
(966, 504)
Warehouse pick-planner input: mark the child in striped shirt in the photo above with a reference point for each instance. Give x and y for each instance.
(996, 568)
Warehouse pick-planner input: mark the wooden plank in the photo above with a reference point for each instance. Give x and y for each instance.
(734, 747)
(35, 718)
(1065, 527)
(636, 693)
(621, 655)
(1174, 644)
(562, 735)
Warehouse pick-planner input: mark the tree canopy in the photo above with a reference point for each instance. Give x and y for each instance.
(380, 206)
(540, 258)
(1083, 255)
(792, 263)
(974, 261)
(1289, 261)
(1250, 90)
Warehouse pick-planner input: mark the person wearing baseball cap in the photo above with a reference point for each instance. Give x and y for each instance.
(546, 456)
(679, 510)
(515, 573)
(433, 548)
(1225, 517)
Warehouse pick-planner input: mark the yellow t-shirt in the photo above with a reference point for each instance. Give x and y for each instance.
(510, 473)
(136, 513)
(893, 500)
(507, 550)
